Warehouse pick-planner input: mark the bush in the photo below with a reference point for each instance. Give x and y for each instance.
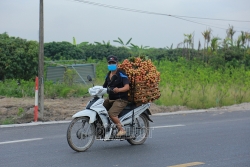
(11, 88)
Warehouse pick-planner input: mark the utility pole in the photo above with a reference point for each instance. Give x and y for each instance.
(41, 62)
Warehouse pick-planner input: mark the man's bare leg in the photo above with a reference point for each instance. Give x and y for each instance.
(116, 120)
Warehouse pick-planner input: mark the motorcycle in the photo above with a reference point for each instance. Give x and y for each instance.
(94, 122)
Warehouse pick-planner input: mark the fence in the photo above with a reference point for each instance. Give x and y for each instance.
(56, 74)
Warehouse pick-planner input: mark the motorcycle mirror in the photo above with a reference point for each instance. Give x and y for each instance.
(89, 78)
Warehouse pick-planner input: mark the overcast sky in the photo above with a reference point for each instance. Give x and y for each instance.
(65, 19)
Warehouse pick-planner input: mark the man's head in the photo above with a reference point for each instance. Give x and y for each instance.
(112, 63)
(112, 59)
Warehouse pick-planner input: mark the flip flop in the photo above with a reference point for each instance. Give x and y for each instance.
(121, 133)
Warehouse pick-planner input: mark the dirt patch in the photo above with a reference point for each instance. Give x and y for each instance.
(21, 110)
(235, 107)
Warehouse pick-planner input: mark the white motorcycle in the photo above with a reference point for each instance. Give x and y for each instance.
(94, 122)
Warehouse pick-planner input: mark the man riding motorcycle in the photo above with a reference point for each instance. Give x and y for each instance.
(118, 97)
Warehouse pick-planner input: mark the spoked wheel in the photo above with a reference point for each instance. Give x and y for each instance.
(80, 134)
(141, 130)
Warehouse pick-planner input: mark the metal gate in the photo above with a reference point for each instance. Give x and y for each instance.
(56, 74)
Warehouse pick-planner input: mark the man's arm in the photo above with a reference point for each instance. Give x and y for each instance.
(105, 84)
(123, 89)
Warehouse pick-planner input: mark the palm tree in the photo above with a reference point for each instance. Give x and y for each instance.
(199, 45)
(181, 45)
(247, 38)
(74, 41)
(98, 43)
(238, 42)
(243, 38)
(171, 47)
(107, 44)
(79, 45)
(83, 44)
(122, 43)
(214, 43)
(230, 33)
(189, 41)
(138, 49)
(207, 36)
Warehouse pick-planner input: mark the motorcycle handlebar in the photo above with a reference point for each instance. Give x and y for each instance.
(109, 89)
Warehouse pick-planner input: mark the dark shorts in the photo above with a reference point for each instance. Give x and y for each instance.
(114, 107)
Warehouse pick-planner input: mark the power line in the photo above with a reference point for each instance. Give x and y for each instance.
(153, 13)
(223, 25)
(206, 24)
(162, 14)
(213, 19)
(200, 23)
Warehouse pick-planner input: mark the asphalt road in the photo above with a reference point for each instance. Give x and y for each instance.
(202, 139)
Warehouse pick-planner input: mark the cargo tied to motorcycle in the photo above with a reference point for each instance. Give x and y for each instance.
(144, 79)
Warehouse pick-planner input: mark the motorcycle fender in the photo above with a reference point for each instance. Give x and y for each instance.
(147, 113)
(86, 113)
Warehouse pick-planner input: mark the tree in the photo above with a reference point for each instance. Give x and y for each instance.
(189, 41)
(207, 36)
(247, 38)
(122, 43)
(243, 38)
(74, 41)
(238, 42)
(83, 44)
(62, 50)
(138, 50)
(230, 33)
(199, 45)
(18, 58)
(100, 51)
(107, 44)
(214, 43)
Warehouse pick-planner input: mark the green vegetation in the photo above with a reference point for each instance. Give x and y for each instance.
(7, 121)
(62, 51)
(213, 75)
(69, 76)
(183, 82)
(17, 88)
(10, 88)
(20, 111)
(18, 58)
(197, 86)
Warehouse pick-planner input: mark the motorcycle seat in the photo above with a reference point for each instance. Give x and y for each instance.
(127, 109)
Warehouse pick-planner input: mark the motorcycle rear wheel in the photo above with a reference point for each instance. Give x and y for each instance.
(79, 132)
(142, 128)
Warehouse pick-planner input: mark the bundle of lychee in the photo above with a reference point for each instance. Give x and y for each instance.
(144, 79)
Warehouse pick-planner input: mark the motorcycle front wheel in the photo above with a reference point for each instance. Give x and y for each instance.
(80, 134)
(141, 130)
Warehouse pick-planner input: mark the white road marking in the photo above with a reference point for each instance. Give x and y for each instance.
(188, 164)
(167, 126)
(33, 124)
(18, 141)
